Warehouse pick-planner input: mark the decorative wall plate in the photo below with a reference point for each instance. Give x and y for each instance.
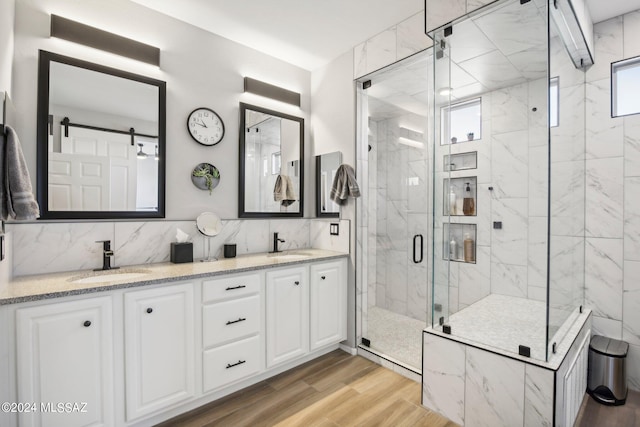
(205, 176)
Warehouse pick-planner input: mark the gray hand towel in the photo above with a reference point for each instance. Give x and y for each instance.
(344, 185)
(16, 195)
(283, 191)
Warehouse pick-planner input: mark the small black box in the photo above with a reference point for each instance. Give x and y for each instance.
(181, 252)
(230, 250)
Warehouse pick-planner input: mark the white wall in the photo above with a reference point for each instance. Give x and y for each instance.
(201, 69)
(6, 43)
(333, 129)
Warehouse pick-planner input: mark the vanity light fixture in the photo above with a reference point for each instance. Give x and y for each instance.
(76, 32)
(405, 137)
(410, 142)
(270, 91)
(141, 154)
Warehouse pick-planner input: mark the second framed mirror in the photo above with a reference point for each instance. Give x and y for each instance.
(271, 164)
(326, 168)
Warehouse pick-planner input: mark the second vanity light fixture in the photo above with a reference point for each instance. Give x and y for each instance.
(270, 91)
(76, 32)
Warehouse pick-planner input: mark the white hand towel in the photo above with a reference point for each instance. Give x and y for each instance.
(16, 194)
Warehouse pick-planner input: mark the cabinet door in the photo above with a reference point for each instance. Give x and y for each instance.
(328, 301)
(287, 299)
(159, 348)
(65, 355)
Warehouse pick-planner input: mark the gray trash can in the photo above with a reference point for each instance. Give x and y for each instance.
(607, 380)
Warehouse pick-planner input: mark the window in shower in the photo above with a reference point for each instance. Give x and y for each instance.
(625, 82)
(554, 93)
(462, 122)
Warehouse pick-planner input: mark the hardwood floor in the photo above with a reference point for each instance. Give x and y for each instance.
(334, 390)
(593, 413)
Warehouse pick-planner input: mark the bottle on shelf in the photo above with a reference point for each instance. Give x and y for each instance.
(469, 249)
(452, 202)
(468, 204)
(453, 249)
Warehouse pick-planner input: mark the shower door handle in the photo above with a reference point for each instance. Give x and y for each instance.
(417, 260)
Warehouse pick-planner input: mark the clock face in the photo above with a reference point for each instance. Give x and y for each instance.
(205, 126)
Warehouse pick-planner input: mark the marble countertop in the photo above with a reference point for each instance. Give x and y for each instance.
(54, 285)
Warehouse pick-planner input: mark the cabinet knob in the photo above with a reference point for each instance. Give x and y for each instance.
(87, 323)
(296, 283)
(323, 277)
(149, 310)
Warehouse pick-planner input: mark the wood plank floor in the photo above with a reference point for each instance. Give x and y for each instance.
(593, 413)
(334, 390)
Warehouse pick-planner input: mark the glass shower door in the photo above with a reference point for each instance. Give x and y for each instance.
(394, 299)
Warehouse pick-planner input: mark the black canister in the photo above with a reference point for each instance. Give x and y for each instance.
(230, 250)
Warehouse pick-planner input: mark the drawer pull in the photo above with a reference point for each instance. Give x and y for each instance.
(87, 323)
(149, 310)
(323, 277)
(296, 283)
(241, 319)
(239, 362)
(231, 288)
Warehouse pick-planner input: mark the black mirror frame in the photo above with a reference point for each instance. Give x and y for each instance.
(319, 213)
(241, 182)
(44, 60)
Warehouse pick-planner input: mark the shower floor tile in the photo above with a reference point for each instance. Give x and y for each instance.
(396, 336)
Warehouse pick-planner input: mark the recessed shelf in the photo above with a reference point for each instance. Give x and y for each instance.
(460, 161)
(454, 193)
(458, 233)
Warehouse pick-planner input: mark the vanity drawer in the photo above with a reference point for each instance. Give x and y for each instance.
(230, 320)
(230, 287)
(232, 362)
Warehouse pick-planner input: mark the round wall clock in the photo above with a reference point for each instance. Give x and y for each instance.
(205, 126)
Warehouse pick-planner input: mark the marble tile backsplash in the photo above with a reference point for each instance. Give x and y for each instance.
(39, 248)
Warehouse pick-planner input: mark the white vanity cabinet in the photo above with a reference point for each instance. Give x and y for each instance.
(287, 310)
(328, 303)
(159, 348)
(64, 354)
(232, 337)
(139, 356)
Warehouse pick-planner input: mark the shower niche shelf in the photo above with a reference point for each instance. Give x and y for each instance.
(459, 207)
(455, 232)
(460, 161)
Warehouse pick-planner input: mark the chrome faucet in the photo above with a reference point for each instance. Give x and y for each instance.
(275, 242)
(107, 253)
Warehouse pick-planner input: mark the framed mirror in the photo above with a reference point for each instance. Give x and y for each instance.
(326, 168)
(271, 164)
(101, 141)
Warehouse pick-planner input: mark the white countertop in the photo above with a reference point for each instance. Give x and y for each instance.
(54, 285)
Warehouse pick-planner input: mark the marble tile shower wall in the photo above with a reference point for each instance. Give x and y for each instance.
(612, 287)
(40, 248)
(399, 200)
(392, 45)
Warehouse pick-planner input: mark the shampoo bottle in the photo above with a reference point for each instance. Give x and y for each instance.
(469, 249)
(452, 202)
(453, 249)
(468, 204)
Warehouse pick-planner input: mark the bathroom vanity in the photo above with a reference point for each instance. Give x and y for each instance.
(147, 343)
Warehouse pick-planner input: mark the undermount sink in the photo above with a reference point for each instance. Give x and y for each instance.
(112, 275)
(290, 256)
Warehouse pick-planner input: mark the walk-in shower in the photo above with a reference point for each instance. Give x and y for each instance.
(474, 221)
